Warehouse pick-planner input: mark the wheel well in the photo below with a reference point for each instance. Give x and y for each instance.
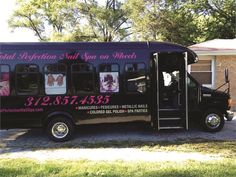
(56, 114)
(213, 108)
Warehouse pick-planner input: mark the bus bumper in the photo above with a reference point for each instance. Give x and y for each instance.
(229, 115)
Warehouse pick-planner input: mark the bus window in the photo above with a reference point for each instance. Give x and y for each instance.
(109, 78)
(27, 79)
(4, 80)
(109, 68)
(55, 79)
(135, 77)
(82, 78)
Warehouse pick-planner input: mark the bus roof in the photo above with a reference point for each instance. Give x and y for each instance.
(153, 47)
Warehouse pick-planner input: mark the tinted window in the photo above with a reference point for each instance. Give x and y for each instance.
(109, 68)
(82, 77)
(27, 79)
(135, 77)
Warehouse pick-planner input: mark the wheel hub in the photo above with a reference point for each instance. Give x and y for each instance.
(213, 121)
(60, 130)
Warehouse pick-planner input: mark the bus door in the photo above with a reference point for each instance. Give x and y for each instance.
(171, 91)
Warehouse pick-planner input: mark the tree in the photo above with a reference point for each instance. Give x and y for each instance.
(179, 25)
(220, 18)
(45, 17)
(184, 21)
(163, 20)
(71, 20)
(108, 22)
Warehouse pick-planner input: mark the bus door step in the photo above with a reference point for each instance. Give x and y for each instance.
(173, 122)
(170, 118)
(170, 109)
(174, 127)
(169, 113)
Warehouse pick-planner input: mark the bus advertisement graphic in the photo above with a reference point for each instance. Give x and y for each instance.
(55, 84)
(109, 82)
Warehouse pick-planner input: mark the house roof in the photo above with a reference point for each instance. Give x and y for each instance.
(215, 47)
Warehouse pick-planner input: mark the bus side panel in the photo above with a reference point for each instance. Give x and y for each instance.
(122, 107)
(18, 111)
(14, 114)
(31, 111)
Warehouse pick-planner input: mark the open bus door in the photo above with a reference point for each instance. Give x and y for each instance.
(169, 82)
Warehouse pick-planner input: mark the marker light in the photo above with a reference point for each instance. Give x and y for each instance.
(230, 102)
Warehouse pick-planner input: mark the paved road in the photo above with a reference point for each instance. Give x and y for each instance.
(22, 139)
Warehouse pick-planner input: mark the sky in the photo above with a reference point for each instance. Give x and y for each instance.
(6, 34)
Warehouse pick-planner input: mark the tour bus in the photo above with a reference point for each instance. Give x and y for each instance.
(58, 86)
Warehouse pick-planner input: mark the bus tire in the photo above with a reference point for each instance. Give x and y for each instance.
(213, 120)
(60, 129)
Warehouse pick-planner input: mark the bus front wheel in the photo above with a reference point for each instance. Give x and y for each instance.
(60, 129)
(213, 120)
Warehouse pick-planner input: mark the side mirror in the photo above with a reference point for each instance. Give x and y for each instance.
(226, 75)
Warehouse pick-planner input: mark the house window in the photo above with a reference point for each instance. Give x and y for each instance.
(55, 79)
(4, 80)
(82, 78)
(27, 79)
(202, 71)
(135, 77)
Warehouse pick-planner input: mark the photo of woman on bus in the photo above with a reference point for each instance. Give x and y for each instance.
(4, 84)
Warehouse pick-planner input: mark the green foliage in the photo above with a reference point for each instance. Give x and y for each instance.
(71, 20)
(107, 22)
(184, 21)
(220, 18)
(45, 17)
(162, 20)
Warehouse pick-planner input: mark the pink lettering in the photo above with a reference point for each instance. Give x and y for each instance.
(5, 56)
(36, 56)
(22, 110)
(104, 57)
(87, 56)
(122, 55)
(72, 56)
(47, 56)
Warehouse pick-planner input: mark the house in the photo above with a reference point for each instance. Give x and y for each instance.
(214, 57)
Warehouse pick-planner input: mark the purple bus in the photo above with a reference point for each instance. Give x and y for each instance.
(58, 86)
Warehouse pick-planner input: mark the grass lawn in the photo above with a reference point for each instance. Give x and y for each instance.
(31, 168)
(225, 148)
(223, 167)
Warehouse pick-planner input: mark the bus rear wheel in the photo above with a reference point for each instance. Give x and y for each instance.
(60, 129)
(213, 120)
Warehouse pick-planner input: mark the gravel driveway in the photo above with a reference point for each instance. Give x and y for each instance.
(21, 142)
